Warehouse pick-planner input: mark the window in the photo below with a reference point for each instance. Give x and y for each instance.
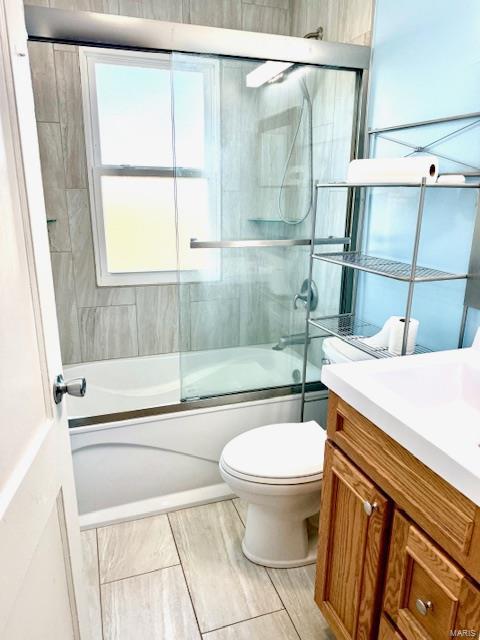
(152, 152)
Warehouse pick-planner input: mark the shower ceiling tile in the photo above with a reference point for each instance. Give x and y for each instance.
(67, 314)
(217, 13)
(88, 294)
(131, 548)
(108, 332)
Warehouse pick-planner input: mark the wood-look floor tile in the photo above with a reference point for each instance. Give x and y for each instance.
(153, 606)
(224, 585)
(274, 626)
(131, 548)
(90, 568)
(242, 508)
(296, 588)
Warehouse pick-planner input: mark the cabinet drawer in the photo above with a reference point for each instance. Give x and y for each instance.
(426, 595)
(443, 512)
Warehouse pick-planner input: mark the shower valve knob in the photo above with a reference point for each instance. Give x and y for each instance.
(76, 387)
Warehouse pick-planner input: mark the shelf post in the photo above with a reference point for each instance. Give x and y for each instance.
(411, 282)
(309, 297)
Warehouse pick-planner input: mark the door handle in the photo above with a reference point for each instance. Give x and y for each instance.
(76, 387)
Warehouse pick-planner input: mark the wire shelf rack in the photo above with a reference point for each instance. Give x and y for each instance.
(354, 330)
(388, 268)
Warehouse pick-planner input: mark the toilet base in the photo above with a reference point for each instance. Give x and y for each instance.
(310, 558)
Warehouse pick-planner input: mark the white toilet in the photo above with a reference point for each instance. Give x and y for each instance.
(278, 470)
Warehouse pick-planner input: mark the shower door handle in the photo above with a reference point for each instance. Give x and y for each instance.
(76, 387)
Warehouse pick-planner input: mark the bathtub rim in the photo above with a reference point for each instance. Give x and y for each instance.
(194, 405)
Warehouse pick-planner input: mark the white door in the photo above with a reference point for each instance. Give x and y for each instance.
(41, 595)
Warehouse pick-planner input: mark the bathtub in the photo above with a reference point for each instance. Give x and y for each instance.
(144, 465)
(129, 384)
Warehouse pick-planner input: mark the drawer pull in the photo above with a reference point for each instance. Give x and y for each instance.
(422, 606)
(369, 507)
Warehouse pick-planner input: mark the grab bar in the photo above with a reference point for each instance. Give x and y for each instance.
(245, 244)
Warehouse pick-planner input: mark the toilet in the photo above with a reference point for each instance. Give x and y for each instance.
(277, 470)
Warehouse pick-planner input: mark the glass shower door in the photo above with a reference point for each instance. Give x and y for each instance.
(251, 138)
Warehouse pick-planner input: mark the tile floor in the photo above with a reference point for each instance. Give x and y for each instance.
(183, 576)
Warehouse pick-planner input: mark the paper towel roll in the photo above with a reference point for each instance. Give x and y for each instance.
(394, 170)
(451, 179)
(395, 338)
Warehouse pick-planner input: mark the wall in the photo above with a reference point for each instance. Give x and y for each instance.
(425, 65)
(101, 323)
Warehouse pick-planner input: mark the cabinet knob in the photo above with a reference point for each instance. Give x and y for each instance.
(422, 606)
(369, 507)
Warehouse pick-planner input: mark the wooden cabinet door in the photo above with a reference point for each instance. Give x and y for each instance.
(426, 595)
(353, 519)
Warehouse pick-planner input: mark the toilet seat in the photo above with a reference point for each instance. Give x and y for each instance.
(282, 454)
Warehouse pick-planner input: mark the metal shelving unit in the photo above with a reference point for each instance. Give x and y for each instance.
(347, 326)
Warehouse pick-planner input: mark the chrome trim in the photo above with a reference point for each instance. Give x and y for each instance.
(246, 244)
(88, 28)
(422, 123)
(205, 403)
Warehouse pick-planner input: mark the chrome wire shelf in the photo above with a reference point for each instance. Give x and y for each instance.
(388, 268)
(353, 331)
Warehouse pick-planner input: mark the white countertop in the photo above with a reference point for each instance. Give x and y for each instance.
(428, 403)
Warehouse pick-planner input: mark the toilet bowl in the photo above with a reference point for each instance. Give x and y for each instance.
(277, 470)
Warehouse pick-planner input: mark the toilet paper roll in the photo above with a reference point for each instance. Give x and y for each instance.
(393, 170)
(451, 178)
(395, 338)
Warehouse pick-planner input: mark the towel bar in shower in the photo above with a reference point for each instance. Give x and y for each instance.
(255, 244)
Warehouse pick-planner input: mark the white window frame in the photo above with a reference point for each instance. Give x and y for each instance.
(89, 56)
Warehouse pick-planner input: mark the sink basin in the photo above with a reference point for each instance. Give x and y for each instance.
(429, 403)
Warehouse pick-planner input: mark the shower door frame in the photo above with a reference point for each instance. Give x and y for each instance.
(138, 34)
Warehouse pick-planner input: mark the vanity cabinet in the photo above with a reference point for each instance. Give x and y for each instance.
(399, 548)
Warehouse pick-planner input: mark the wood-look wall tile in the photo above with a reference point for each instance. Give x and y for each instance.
(279, 4)
(216, 13)
(224, 585)
(168, 10)
(38, 3)
(51, 155)
(88, 294)
(295, 587)
(71, 118)
(108, 332)
(92, 583)
(157, 318)
(57, 217)
(274, 626)
(42, 69)
(215, 323)
(130, 548)
(153, 606)
(99, 6)
(67, 314)
(265, 19)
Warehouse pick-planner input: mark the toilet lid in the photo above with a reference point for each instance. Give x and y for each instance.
(288, 453)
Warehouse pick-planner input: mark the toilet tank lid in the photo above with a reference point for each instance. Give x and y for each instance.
(287, 450)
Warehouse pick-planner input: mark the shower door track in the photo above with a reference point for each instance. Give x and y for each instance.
(106, 30)
(201, 403)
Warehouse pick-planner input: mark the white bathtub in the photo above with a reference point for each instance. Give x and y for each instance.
(127, 384)
(146, 465)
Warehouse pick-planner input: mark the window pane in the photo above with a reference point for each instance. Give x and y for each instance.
(139, 218)
(134, 112)
(189, 117)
